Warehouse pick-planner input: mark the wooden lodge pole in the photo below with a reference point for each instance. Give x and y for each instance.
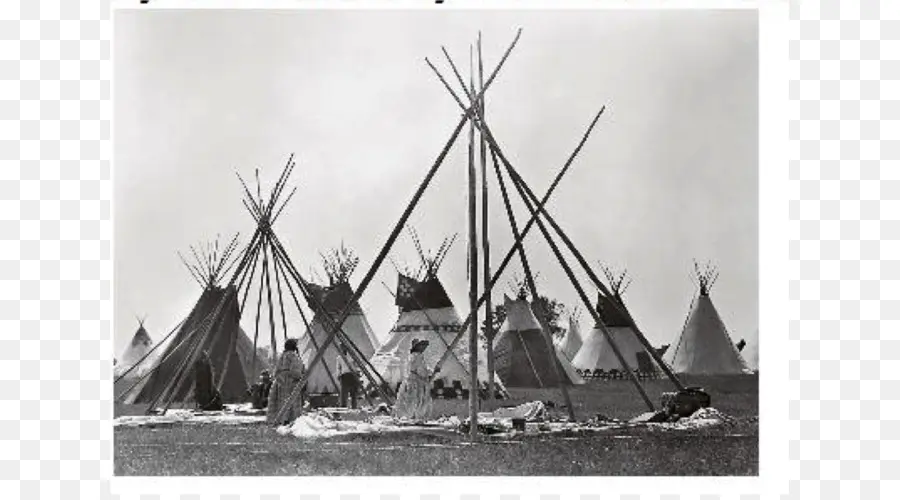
(485, 241)
(473, 277)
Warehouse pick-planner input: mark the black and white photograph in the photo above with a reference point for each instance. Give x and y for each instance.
(403, 242)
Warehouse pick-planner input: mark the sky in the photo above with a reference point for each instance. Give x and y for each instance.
(669, 175)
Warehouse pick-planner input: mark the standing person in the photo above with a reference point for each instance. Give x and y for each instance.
(414, 396)
(259, 393)
(205, 394)
(347, 378)
(288, 372)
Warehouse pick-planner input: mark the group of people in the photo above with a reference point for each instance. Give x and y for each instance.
(276, 394)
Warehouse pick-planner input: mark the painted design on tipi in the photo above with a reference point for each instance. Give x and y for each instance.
(427, 313)
(704, 346)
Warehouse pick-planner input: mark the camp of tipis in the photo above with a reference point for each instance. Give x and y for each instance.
(324, 315)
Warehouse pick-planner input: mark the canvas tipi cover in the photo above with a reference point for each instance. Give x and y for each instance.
(597, 353)
(704, 347)
(572, 341)
(223, 344)
(140, 345)
(322, 379)
(426, 313)
(520, 351)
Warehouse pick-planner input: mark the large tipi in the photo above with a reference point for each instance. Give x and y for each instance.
(704, 346)
(597, 356)
(521, 356)
(572, 341)
(329, 301)
(136, 351)
(427, 313)
(230, 350)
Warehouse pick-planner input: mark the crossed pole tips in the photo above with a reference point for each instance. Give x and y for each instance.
(537, 208)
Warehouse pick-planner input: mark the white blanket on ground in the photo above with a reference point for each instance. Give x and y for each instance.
(322, 425)
(528, 411)
(232, 414)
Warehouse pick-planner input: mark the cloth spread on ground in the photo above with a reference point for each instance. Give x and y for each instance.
(325, 423)
(232, 414)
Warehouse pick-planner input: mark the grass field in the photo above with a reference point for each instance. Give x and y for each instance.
(258, 450)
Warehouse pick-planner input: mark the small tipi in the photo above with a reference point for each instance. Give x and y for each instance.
(572, 341)
(704, 346)
(329, 301)
(134, 352)
(597, 355)
(521, 357)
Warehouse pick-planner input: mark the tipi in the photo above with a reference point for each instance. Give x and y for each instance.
(230, 350)
(333, 298)
(140, 345)
(704, 346)
(520, 350)
(597, 356)
(572, 341)
(427, 313)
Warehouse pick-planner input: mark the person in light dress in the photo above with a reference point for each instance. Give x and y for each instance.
(414, 396)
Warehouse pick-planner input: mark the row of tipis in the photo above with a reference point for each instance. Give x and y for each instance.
(473, 114)
(266, 255)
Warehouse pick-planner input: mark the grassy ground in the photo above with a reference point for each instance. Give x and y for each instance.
(258, 450)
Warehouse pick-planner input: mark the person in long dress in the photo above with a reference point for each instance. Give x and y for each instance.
(414, 397)
(288, 372)
(206, 395)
